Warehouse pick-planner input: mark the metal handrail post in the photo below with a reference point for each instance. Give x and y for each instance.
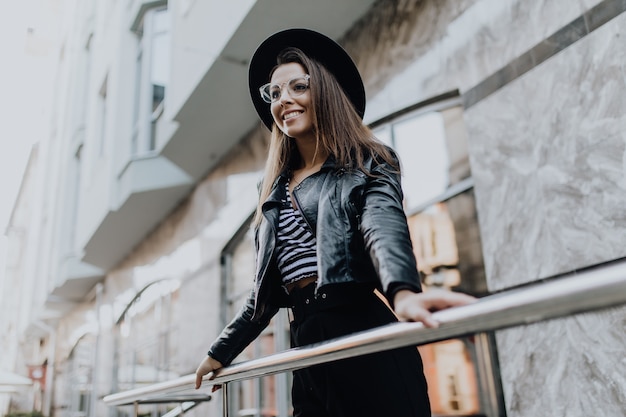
(225, 399)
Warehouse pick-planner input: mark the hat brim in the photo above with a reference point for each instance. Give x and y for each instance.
(315, 45)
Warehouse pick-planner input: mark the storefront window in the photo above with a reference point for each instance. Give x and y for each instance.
(439, 201)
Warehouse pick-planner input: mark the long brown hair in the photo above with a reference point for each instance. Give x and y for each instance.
(340, 130)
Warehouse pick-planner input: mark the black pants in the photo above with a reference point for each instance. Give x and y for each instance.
(384, 384)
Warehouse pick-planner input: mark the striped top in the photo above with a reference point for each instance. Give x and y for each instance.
(295, 245)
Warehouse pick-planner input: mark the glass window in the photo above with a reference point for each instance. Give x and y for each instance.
(443, 223)
(420, 143)
(267, 396)
(80, 373)
(137, 101)
(160, 52)
(145, 353)
(102, 117)
(152, 73)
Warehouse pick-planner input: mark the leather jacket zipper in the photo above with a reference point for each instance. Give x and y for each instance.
(295, 199)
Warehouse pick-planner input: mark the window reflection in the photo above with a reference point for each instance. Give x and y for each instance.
(446, 242)
(443, 224)
(450, 369)
(420, 143)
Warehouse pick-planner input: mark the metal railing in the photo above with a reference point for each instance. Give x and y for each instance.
(581, 292)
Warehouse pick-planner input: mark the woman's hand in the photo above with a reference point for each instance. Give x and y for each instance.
(207, 365)
(410, 306)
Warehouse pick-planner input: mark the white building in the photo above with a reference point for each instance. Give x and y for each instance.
(130, 246)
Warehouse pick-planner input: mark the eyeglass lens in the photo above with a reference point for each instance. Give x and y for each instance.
(296, 87)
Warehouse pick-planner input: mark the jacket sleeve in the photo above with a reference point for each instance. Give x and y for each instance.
(386, 233)
(240, 332)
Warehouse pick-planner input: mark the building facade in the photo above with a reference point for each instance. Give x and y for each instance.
(130, 240)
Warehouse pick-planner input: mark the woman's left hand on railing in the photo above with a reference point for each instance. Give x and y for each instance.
(410, 306)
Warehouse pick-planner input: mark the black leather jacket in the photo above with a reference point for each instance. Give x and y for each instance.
(362, 237)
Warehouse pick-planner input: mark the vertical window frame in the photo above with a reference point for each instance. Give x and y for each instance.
(145, 118)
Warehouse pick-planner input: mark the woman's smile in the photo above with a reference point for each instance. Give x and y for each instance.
(291, 115)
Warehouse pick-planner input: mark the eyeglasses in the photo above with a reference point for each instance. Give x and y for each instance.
(271, 93)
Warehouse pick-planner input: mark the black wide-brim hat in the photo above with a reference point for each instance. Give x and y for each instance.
(316, 46)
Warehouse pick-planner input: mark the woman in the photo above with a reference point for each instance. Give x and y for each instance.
(329, 230)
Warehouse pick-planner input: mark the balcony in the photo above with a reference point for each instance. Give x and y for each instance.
(77, 280)
(148, 188)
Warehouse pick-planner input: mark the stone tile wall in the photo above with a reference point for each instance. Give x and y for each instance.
(548, 154)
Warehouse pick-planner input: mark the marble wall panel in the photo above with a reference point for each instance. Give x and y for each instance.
(572, 367)
(548, 154)
(446, 44)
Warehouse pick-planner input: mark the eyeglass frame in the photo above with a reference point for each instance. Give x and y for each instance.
(307, 77)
